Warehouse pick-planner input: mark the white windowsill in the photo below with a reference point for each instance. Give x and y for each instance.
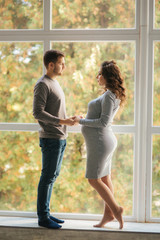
(22, 222)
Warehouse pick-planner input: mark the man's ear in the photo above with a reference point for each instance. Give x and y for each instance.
(51, 65)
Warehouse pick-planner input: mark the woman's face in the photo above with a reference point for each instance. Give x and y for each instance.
(100, 78)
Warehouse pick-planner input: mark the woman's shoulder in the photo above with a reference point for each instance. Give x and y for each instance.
(109, 94)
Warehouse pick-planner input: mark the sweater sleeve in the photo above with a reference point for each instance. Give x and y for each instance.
(41, 92)
(107, 106)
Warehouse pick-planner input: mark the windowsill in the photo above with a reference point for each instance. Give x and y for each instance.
(22, 222)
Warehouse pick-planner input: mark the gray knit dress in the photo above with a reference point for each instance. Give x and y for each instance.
(99, 137)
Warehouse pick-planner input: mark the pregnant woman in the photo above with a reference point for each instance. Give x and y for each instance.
(100, 139)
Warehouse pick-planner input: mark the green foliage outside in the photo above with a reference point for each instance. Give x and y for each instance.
(19, 170)
(93, 14)
(21, 14)
(157, 14)
(28, 14)
(21, 66)
(156, 176)
(156, 98)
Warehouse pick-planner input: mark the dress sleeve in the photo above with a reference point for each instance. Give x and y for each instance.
(41, 92)
(107, 106)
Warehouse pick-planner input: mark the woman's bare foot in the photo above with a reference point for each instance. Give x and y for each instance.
(119, 217)
(105, 219)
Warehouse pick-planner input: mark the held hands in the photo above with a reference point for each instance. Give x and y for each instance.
(71, 121)
(76, 119)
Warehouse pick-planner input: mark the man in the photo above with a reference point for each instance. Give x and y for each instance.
(49, 109)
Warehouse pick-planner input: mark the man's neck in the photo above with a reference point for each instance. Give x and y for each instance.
(51, 75)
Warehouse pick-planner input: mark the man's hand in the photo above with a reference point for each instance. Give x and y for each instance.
(67, 121)
(70, 121)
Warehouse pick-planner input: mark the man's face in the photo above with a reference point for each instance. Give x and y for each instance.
(59, 66)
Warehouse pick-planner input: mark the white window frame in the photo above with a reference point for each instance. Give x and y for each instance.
(143, 35)
(154, 35)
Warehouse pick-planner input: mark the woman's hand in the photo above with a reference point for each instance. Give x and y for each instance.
(77, 119)
(70, 121)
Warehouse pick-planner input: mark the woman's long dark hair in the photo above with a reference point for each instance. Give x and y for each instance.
(114, 80)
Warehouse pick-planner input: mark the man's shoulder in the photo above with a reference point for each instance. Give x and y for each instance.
(47, 84)
(43, 81)
(41, 85)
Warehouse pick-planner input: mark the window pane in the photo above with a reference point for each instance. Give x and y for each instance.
(93, 14)
(82, 64)
(157, 13)
(20, 67)
(122, 172)
(21, 14)
(20, 170)
(20, 162)
(156, 97)
(156, 177)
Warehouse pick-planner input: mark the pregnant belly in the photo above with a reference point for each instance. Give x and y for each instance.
(87, 131)
(103, 138)
(92, 130)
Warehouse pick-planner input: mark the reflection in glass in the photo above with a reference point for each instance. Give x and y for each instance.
(21, 14)
(20, 162)
(82, 64)
(157, 14)
(20, 67)
(156, 96)
(156, 176)
(93, 14)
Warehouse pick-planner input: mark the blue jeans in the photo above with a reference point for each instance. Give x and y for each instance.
(52, 156)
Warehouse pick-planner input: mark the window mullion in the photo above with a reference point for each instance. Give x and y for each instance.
(136, 142)
(151, 15)
(149, 127)
(142, 116)
(47, 9)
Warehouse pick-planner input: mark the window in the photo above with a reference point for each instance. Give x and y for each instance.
(21, 14)
(156, 90)
(19, 170)
(155, 176)
(97, 30)
(157, 14)
(93, 14)
(156, 136)
(20, 67)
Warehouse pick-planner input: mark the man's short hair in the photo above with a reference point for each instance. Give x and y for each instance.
(52, 56)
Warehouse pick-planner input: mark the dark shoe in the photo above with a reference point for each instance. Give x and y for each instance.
(48, 223)
(56, 219)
